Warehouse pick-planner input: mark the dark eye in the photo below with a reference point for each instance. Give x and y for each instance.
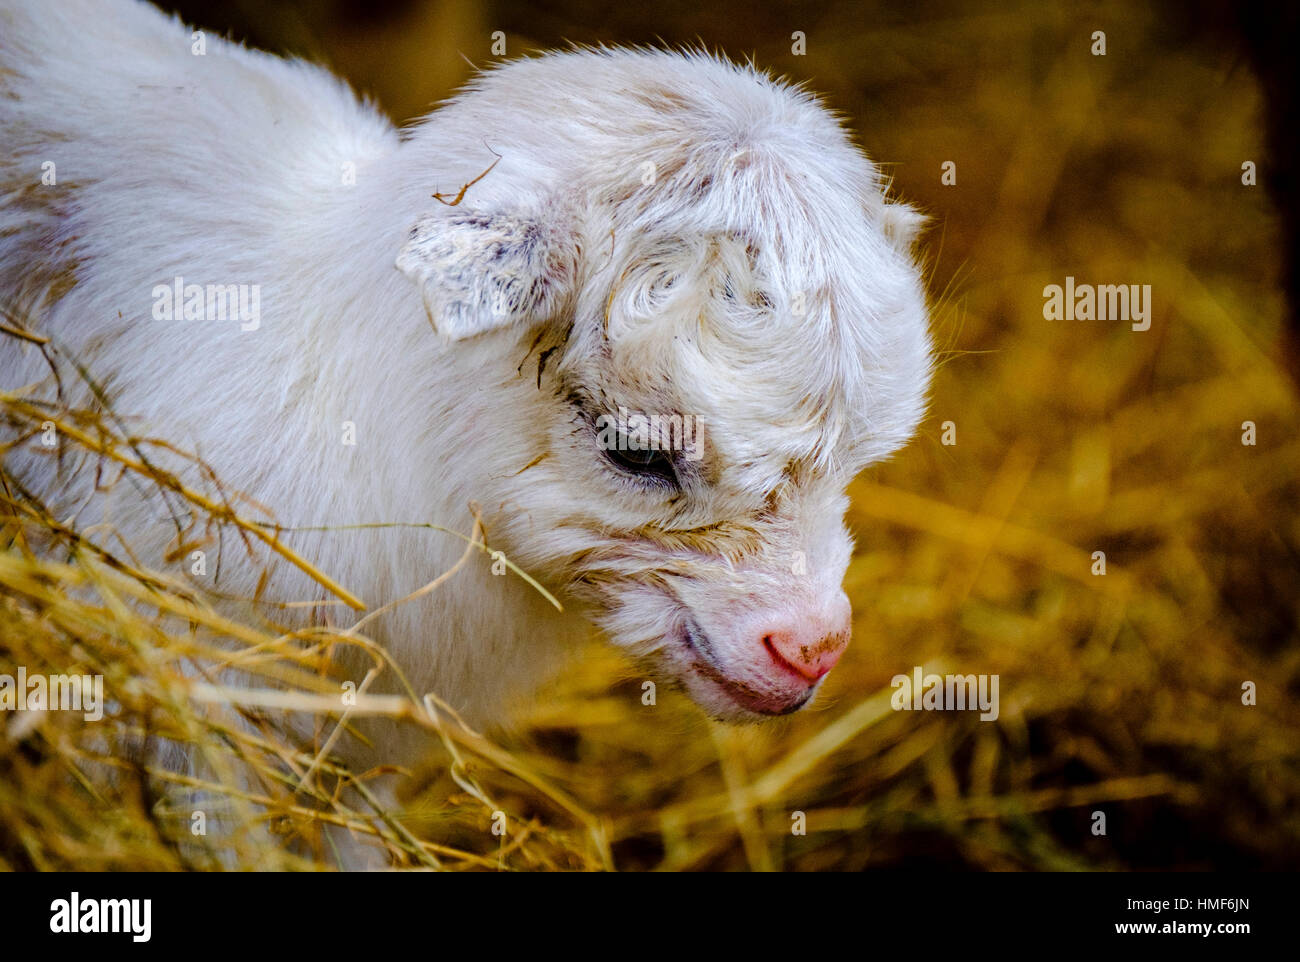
(647, 462)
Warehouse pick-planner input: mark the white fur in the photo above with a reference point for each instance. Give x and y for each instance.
(682, 295)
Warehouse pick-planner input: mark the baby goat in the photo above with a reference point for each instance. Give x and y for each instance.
(645, 312)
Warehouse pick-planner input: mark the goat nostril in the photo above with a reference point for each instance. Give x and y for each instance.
(798, 653)
(808, 674)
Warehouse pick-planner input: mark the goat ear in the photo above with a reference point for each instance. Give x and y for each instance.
(480, 271)
(901, 224)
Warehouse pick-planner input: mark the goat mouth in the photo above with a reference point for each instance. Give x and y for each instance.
(696, 641)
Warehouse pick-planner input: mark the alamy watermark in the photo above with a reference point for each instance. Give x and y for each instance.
(1104, 302)
(132, 917)
(650, 432)
(83, 693)
(921, 692)
(179, 301)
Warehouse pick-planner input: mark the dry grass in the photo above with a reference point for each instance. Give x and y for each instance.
(1120, 693)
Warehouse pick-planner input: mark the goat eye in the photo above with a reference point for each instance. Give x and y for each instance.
(647, 462)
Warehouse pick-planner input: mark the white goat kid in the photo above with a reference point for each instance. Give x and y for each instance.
(660, 234)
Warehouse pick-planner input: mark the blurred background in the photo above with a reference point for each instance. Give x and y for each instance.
(1121, 693)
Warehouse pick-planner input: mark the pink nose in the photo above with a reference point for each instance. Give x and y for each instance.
(810, 646)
